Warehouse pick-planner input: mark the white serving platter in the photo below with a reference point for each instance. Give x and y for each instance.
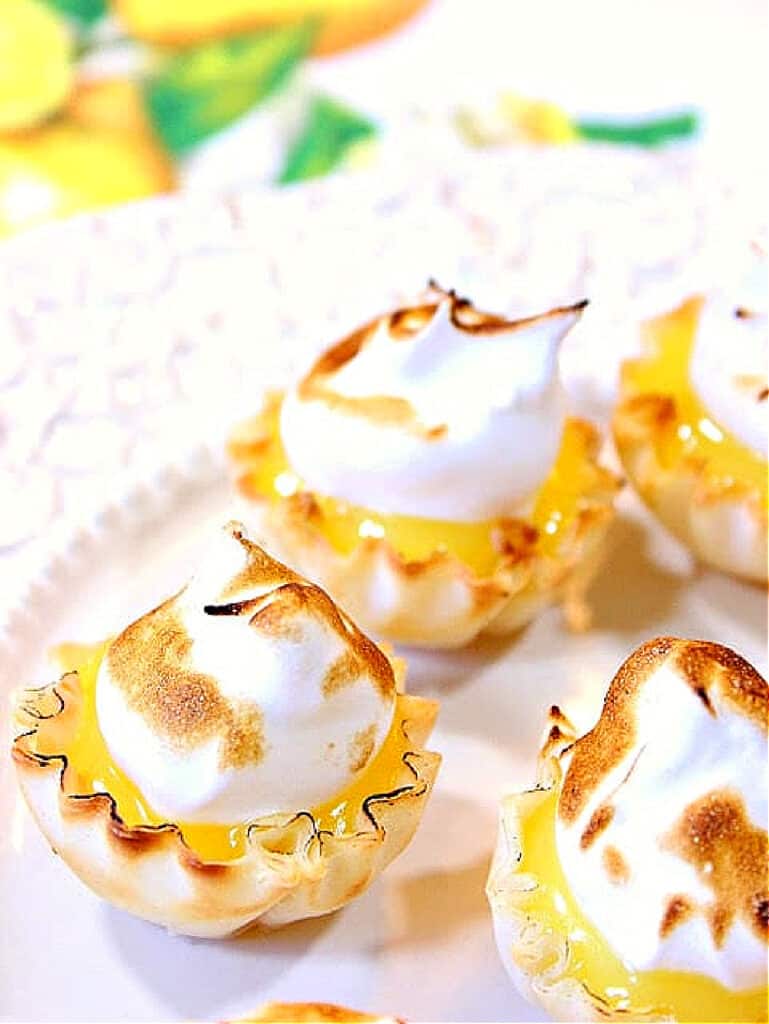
(417, 944)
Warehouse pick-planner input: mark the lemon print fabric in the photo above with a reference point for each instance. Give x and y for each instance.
(341, 23)
(98, 150)
(36, 70)
(109, 101)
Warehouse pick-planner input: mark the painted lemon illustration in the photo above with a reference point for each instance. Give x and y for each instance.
(342, 23)
(36, 72)
(100, 150)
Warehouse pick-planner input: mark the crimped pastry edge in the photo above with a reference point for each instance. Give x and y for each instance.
(724, 526)
(438, 601)
(534, 957)
(150, 872)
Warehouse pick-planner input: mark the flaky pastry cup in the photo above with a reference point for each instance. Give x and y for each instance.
(292, 869)
(536, 957)
(723, 524)
(304, 1013)
(438, 601)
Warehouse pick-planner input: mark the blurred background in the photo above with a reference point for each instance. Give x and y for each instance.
(328, 156)
(198, 196)
(106, 101)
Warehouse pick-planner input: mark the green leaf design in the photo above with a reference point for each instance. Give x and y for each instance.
(202, 89)
(652, 131)
(83, 12)
(329, 130)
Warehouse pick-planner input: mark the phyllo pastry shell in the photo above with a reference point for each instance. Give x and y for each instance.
(209, 871)
(705, 485)
(395, 504)
(631, 882)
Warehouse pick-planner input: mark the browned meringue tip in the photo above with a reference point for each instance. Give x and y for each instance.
(406, 321)
(715, 674)
(277, 604)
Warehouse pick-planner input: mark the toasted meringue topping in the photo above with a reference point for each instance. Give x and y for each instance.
(662, 815)
(438, 411)
(246, 694)
(729, 360)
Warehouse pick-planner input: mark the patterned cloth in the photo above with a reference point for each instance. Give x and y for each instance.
(105, 101)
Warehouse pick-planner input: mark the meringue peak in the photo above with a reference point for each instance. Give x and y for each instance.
(247, 693)
(404, 413)
(662, 814)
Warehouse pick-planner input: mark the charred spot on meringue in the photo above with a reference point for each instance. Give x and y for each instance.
(279, 615)
(260, 570)
(403, 325)
(707, 668)
(467, 317)
(600, 820)
(361, 748)
(716, 836)
(679, 909)
(615, 865)
(149, 662)
(761, 914)
(280, 612)
(344, 671)
(597, 753)
(560, 734)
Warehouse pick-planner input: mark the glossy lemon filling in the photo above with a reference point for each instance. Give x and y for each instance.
(555, 506)
(693, 433)
(683, 995)
(91, 769)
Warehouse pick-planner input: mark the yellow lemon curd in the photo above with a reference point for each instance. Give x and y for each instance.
(693, 433)
(555, 506)
(91, 769)
(685, 996)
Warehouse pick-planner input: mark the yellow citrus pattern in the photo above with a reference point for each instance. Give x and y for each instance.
(516, 118)
(100, 150)
(677, 995)
(342, 23)
(36, 70)
(92, 769)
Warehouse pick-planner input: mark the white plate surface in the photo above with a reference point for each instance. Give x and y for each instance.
(418, 943)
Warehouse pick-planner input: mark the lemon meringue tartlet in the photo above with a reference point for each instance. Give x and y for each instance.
(631, 883)
(693, 423)
(240, 753)
(426, 473)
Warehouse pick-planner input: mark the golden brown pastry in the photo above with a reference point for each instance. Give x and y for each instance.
(631, 882)
(691, 428)
(425, 472)
(240, 753)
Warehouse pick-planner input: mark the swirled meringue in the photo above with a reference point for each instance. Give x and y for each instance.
(662, 815)
(437, 411)
(246, 694)
(729, 360)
